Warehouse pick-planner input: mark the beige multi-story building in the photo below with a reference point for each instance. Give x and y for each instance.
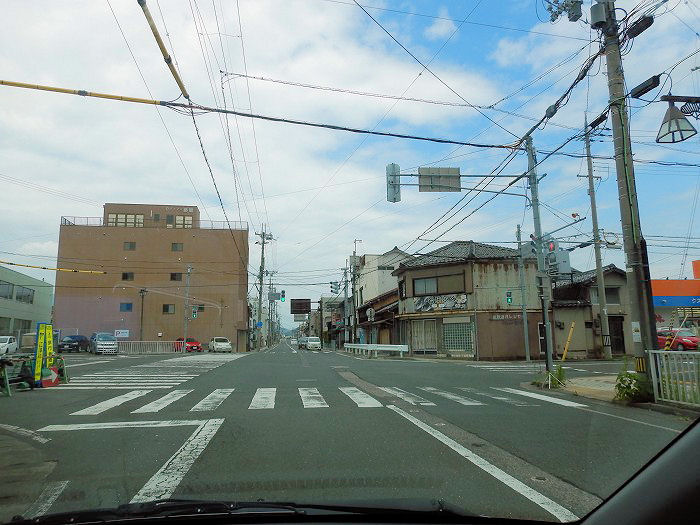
(144, 252)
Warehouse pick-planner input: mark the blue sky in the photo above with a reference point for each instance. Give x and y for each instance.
(322, 188)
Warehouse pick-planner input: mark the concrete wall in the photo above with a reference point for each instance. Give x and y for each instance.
(13, 311)
(500, 335)
(376, 282)
(91, 302)
(493, 279)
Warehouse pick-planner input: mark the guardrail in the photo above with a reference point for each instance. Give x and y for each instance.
(374, 350)
(676, 376)
(150, 347)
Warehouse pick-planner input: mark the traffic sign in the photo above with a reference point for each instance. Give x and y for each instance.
(259, 324)
(299, 306)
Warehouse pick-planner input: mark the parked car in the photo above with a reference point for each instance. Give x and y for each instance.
(103, 343)
(293, 342)
(684, 339)
(302, 343)
(220, 344)
(8, 344)
(191, 345)
(313, 343)
(74, 343)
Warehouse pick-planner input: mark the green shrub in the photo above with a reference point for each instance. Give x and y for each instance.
(634, 387)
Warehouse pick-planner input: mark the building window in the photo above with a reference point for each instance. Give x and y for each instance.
(7, 290)
(176, 247)
(129, 246)
(588, 324)
(361, 298)
(612, 295)
(125, 219)
(425, 286)
(23, 325)
(450, 283)
(169, 221)
(176, 277)
(127, 276)
(156, 217)
(183, 221)
(168, 308)
(126, 307)
(402, 289)
(458, 337)
(24, 295)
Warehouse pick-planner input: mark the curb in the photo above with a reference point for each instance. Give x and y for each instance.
(667, 409)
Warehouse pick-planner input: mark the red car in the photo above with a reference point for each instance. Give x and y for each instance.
(683, 339)
(192, 345)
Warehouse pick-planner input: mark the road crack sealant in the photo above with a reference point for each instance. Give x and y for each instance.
(514, 471)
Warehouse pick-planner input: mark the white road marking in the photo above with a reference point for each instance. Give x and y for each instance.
(213, 400)
(361, 399)
(47, 498)
(505, 399)
(541, 397)
(452, 397)
(90, 363)
(263, 398)
(165, 481)
(123, 424)
(25, 432)
(312, 398)
(556, 510)
(105, 387)
(407, 396)
(631, 420)
(161, 403)
(110, 403)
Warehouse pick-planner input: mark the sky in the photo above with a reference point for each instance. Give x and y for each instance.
(317, 190)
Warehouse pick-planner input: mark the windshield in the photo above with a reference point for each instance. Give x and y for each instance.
(416, 227)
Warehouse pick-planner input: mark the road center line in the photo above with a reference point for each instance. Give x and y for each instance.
(165, 481)
(47, 498)
(110, 403)
(556, 510)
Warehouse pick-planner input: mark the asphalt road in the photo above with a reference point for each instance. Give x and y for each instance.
(321, 426)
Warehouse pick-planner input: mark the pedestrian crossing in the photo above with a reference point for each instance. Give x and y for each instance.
(265, 398)
(527, 368)
(158, 375)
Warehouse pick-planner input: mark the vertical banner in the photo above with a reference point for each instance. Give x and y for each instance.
(49, 345)
(39, 355)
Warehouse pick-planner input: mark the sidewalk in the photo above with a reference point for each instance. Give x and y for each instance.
(598, 387)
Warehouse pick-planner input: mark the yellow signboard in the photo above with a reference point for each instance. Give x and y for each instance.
(49, 345)
(39, 356)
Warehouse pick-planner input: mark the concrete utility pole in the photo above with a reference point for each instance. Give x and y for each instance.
(270, 304)
(320, 307)
(637, 269)
(523, 297)
(602, 300)
(353, 269)
(345, 305)
(264, 237)
(187, 305)
(142, 293)
(542, 277)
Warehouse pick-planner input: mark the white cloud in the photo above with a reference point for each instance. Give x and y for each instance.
(441, 27)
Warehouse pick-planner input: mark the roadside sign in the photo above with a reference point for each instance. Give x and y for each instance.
(299, 318)
(39, 354)
(259, 324)
(300, 306)
(121, 333)
(49, 345)
(273, 296)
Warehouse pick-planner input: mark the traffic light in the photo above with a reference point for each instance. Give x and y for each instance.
(509, 297)
(194, 312)
(282, 296)
(528, 250)
(393, 183)
(335, 287)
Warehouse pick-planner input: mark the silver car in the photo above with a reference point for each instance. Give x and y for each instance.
(103, 343)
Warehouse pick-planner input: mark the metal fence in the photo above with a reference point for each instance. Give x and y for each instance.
(374, 350)
(150, 223)
(676, 376)
(150, 347)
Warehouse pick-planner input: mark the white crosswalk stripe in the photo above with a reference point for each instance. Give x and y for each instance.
(407, 396)
(312, 398)
(361, 399)
(452, 397)
(213, 400)
(541, 397)
(504, 399)
(264, 398)
(161, 403)
(110, 403)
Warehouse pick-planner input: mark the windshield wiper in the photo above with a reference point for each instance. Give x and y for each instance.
(384, 510)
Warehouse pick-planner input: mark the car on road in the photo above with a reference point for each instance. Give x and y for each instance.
(103, 343)
(293, 341)
(74, 343)
(220, 344)
(302, 343)
(683, 339)
(8, 344)
(191, 345)
(313, 343)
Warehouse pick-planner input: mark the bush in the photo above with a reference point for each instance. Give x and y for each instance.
(633, 387)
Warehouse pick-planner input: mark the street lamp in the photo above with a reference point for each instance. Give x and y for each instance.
(675, 127)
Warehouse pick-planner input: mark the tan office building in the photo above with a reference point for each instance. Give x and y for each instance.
(144, 251)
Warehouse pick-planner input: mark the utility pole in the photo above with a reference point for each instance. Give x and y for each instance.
(270, 304)
(354, 295)
(187, 305)
(320, 306)
(142, 293)
(637, 270)
(345, 305)
(523, 297)
(263, 238)
(542, 277)
(602, 300)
